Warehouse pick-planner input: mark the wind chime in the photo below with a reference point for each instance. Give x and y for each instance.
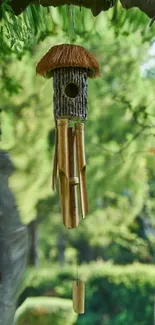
(70, 66)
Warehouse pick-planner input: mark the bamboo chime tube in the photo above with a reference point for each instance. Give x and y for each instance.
(79, 130)
(73, 179)
(78, 293)
(70, 154)
(63, 166)
(55, 161)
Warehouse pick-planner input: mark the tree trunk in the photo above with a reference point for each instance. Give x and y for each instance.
(33, 243)
(13, 246)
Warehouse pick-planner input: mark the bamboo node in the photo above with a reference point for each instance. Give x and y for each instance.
(74, 180)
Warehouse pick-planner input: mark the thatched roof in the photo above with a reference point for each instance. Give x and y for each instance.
(67, 55)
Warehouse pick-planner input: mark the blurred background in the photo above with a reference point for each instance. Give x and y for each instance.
(113, 249)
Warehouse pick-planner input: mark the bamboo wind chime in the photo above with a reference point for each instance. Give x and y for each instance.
(70, 66)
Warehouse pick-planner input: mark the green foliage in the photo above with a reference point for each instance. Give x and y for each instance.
(124, 295)
(120, 159)
(114, 294)
(119, 133)
(22, 33)
(45, 311)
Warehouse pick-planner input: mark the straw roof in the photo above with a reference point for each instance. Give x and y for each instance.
(67, 55)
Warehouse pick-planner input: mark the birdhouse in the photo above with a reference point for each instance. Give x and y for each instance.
(70, 66)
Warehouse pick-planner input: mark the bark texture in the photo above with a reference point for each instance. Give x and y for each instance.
(13, 246)
(66, 106)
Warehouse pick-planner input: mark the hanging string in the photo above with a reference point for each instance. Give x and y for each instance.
(76, 276)
(71, 23)
(44, 86)
(77, 271)
(77, 266)
(76, 21)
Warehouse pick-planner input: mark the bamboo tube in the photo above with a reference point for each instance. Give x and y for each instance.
(73, 179)
(55, 161)
(79, 130)
(78, 294)
(63, 166)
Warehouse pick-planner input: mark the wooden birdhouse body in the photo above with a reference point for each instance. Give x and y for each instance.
(70, 93)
